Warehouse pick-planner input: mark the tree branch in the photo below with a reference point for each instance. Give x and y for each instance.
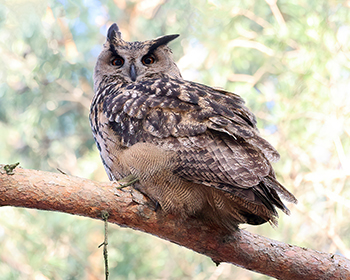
(69, 194)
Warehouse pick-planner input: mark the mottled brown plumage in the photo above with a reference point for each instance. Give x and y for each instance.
(195, 150)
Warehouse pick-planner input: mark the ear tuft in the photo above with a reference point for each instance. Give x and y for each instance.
(114, 32)
(160, 41)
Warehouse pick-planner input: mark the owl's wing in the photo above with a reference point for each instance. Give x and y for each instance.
(212, 132)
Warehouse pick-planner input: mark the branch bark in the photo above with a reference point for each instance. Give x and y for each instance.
(69, 194)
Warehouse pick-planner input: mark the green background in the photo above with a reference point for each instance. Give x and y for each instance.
(290, 61)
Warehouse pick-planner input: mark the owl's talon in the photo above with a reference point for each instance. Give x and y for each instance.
(157, 206)
(129, 180)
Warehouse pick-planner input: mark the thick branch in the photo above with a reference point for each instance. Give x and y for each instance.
(69, 194)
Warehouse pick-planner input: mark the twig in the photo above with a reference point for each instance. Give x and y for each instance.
(277, 13)
(10, 167)
(61, 171)
(105, 216)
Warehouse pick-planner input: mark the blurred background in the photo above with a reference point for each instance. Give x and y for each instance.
(289, 60)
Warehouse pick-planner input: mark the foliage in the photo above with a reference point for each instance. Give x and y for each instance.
(289, 61)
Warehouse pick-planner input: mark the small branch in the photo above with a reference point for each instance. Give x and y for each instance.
(69, 194)
(243, 43)
(105, 216)
(277, 13)
(10, 167)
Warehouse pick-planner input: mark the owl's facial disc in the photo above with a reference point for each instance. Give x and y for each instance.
(135, 61)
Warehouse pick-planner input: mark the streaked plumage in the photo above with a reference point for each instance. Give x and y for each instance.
(195, 150)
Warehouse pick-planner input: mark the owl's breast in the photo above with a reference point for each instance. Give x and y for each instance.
(108, 140)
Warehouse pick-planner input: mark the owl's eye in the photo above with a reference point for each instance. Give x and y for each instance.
(148, 59)
(118, 61)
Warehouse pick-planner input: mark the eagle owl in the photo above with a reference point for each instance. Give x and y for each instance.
(193, 150)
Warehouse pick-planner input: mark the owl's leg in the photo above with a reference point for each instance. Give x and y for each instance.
(129, 180)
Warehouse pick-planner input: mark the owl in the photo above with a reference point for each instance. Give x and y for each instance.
(193, 150)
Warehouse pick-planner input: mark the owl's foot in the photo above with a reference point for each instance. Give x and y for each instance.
(129, 180)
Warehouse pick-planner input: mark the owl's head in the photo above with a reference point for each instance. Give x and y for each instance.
(128, 62)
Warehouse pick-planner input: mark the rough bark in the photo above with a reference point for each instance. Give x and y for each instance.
(69, 194)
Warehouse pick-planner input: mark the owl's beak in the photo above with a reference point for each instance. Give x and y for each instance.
(133, 72)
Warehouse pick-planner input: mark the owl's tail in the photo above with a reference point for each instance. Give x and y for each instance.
(255, 206)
